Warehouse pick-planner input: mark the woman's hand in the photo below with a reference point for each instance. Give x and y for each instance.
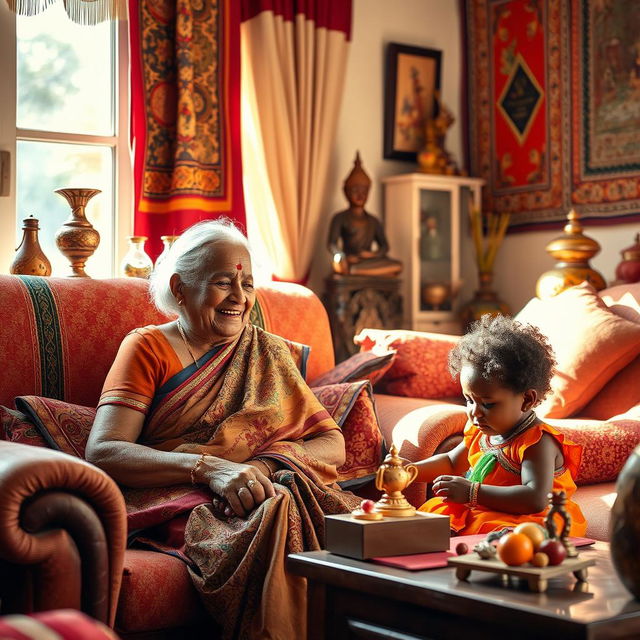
(239, 487)
(452, 488)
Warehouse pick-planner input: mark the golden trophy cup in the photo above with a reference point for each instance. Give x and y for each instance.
(393, 478)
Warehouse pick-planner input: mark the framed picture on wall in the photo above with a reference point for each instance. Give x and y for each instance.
(412, 79)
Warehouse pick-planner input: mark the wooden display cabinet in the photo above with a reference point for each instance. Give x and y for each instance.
(423, 222)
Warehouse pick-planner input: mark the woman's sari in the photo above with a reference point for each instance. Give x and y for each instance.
(249, 400)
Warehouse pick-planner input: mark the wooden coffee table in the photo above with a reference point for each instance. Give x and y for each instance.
(358, 599)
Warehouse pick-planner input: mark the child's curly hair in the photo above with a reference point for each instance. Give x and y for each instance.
(516, 355)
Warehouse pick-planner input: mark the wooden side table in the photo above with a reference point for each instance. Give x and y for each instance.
(358, 302)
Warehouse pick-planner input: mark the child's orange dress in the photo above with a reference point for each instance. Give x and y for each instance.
(508, 455)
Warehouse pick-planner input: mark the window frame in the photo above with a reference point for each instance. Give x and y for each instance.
(122, 220)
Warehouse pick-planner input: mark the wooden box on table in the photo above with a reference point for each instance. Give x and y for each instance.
(364, 539)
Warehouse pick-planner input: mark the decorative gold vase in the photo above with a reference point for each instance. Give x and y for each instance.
(76, 238)
(485, 301)
(136, 263)
(572, 250)
(30, 259)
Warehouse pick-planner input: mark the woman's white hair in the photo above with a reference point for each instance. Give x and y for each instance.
(186, 257)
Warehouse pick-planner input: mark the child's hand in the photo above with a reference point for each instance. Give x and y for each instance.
(452, 488)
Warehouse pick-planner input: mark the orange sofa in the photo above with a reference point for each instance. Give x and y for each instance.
(63, 524)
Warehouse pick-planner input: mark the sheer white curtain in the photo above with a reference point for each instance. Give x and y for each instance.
(292, 81)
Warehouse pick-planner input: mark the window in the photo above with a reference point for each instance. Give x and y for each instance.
(69, 120)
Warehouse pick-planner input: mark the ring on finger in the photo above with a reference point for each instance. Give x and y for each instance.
(251, 483)
(242, 489)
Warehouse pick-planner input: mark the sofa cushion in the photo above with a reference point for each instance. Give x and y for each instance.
(365, 365)
(351, 405)
(421, 366)
(606, 445)
(63, 425)
(15, 426)
(157, 593)
(591, 344)
(623, 391)
(624, 300)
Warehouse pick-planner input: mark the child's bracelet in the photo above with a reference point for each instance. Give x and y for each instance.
(474, 488)
(199, 461)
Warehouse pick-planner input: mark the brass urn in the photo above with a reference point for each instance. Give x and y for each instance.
(572, 250)
(29, 258)
(76, 238)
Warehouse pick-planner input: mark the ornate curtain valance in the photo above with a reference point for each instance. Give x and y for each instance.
(84, 12)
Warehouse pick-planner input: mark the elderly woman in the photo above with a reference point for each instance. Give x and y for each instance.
(209, 399)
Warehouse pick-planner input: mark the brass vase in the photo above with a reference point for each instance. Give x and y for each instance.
(572, 250)
(29, 258)
(485, 301)
(77, 239)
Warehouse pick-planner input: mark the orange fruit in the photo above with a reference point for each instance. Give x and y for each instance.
(515, 549)
(532, 530)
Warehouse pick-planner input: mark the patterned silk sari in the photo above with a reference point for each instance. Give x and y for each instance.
(248, 400)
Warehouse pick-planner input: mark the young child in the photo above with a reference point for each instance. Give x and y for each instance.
(508, 461)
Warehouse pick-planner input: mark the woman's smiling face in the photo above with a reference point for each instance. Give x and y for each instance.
(221, 304)
(492, 407)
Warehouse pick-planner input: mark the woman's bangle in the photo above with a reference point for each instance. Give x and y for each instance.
(196, 466)
(270, 469)
(474, 488)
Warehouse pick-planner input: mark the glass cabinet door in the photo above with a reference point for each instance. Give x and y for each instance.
(435, 288)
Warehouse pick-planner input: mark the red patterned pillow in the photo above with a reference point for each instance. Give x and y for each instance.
(365, 365)
(606, 445)
(351, 405)
(64, 426)
(420, 368)
(16, 427)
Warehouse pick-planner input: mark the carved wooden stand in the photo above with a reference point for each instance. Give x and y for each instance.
(358, 302)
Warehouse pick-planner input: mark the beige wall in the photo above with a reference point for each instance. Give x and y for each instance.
(432, 24)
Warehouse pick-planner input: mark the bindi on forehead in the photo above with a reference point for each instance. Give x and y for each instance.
(239, 266)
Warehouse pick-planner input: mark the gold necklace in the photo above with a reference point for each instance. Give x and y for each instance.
(186, 343)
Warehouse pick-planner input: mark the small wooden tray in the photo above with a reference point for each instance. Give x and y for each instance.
(536, 576)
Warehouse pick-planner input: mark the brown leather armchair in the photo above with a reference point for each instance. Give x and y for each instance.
(65, 521)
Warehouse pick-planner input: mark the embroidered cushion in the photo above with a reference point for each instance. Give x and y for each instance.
(365, 365)
(15, 426)
(591, 344)
(63, 426)
(351, 405)
(420, 368)
(606, 445)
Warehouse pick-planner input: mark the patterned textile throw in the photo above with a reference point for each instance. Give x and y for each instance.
(264, 408)
(185, 115)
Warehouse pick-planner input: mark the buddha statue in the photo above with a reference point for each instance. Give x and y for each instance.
(356, 238)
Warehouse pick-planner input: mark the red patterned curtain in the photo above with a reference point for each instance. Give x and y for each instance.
(185, 116)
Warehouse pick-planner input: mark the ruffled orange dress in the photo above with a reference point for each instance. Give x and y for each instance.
(467, 520)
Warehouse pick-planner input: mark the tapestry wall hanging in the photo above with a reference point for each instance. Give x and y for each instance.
(554, 109)
(185, 115)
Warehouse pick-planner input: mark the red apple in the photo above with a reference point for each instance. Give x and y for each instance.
(554, 550)
(368, 506)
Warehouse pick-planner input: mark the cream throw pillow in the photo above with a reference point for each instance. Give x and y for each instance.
(590, 342)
